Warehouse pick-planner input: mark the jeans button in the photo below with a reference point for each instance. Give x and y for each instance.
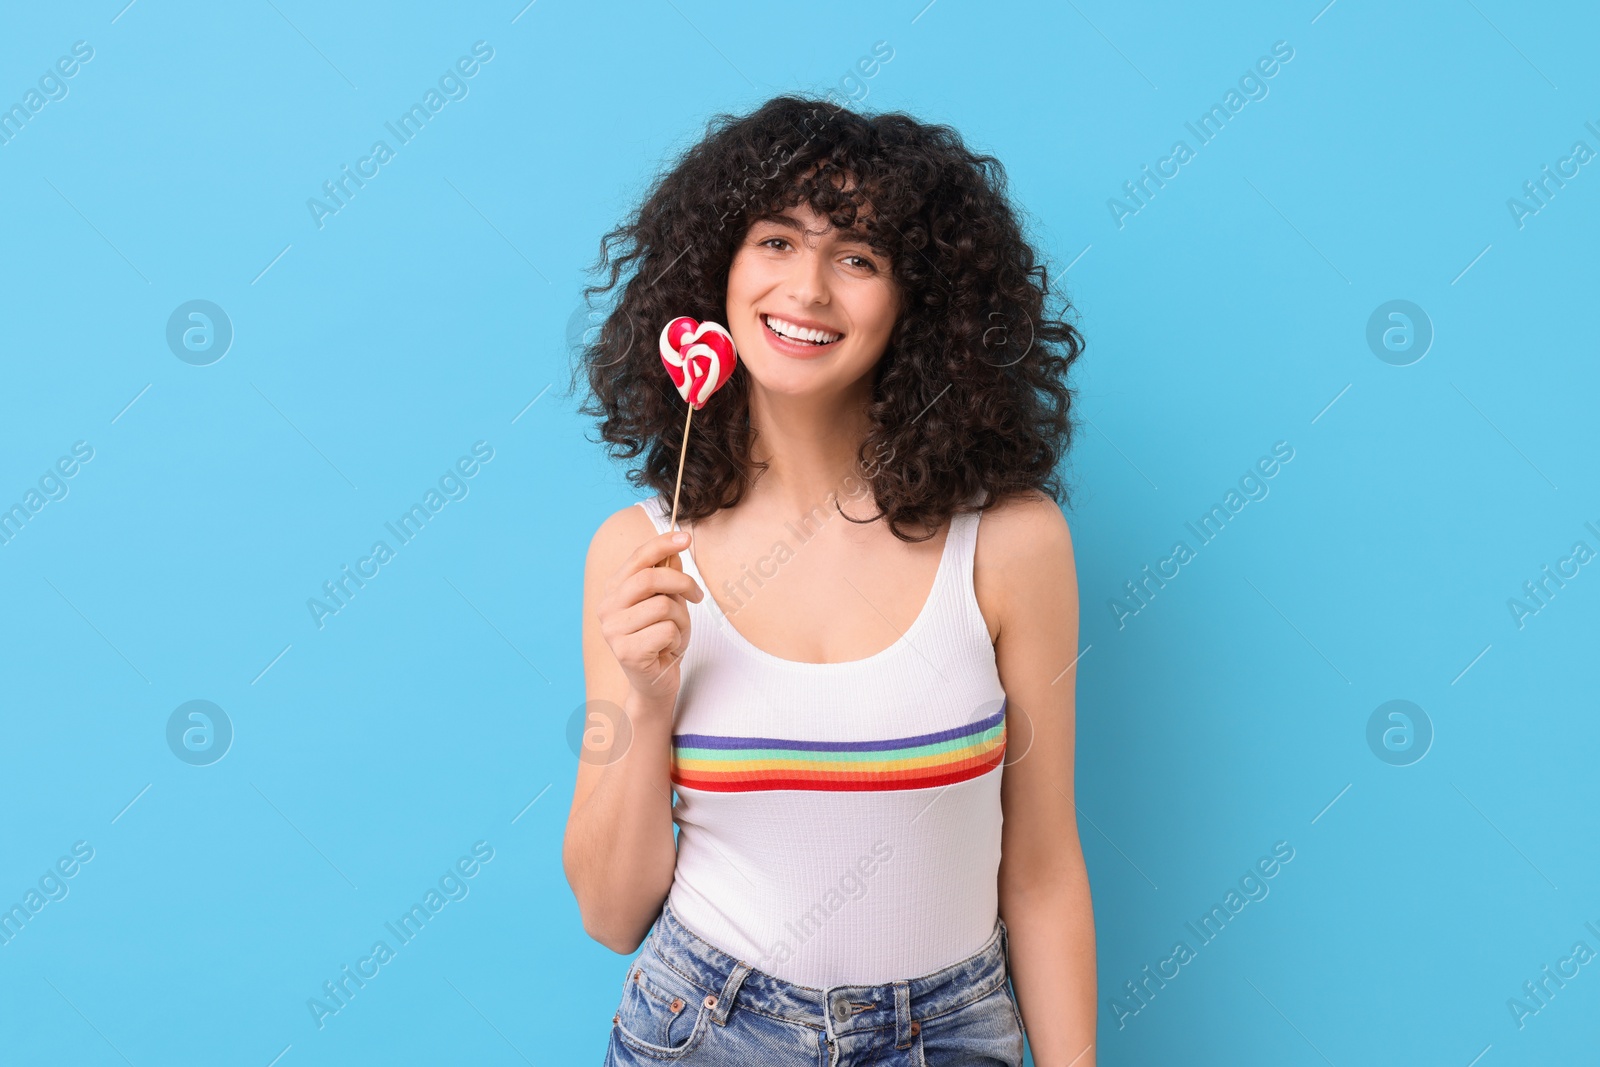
(841, 1011)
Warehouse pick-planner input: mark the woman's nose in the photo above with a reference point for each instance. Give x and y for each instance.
(808, 279)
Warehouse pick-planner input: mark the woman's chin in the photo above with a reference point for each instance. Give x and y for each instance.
(794, 381)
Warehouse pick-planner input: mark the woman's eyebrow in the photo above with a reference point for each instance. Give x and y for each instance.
(853, 236)
(785, 221)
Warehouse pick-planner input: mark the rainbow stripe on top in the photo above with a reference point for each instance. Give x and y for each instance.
(742, 764)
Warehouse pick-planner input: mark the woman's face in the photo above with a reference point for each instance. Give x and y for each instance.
(810, 307)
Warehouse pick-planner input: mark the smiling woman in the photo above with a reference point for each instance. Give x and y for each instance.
(857, 718)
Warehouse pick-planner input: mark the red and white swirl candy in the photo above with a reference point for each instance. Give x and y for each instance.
(699, 356)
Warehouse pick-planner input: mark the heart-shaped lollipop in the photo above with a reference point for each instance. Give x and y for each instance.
(699, 356)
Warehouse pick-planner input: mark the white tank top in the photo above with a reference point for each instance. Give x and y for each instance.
(839, 823)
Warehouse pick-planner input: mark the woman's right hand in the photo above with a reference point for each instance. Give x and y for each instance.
(645, 620)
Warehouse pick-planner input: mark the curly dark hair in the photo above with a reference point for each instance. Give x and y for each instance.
(970, 396)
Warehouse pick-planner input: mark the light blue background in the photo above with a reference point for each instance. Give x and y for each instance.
(426, 315)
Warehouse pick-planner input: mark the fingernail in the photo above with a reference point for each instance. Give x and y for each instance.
(680, 538)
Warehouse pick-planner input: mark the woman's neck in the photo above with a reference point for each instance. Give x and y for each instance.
(810, 445)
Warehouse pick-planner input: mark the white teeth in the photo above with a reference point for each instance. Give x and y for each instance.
(800, 333)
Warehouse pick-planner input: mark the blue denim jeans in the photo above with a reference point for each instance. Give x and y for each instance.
(686, 1001)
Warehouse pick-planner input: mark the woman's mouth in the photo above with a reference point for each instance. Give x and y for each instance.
(794, 339)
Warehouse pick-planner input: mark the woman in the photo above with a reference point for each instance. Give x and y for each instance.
(864, 707)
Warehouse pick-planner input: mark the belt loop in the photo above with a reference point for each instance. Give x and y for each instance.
(902, 1015)
(1005, 946)
(723, 1002)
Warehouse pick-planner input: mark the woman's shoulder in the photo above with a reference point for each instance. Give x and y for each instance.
(1027, 522)
(1024, 552)
(618, 535)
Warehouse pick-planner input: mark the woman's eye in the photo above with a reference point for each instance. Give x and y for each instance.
(864, 262)
(769, 241)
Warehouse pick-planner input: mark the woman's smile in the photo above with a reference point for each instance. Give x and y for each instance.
(800, 339)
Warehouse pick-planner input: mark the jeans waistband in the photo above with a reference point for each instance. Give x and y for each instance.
(838, 1010)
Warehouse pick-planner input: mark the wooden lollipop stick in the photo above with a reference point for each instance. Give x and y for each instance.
(683, 453)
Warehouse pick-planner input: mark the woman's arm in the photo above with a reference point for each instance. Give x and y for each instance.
(619, 853)
(1026, 575)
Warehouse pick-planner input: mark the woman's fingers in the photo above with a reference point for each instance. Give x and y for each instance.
(651, 581)
(653, 552)
(636, 618)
